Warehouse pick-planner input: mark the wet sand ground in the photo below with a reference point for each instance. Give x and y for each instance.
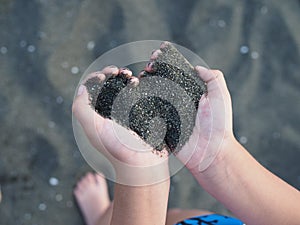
(45, 46)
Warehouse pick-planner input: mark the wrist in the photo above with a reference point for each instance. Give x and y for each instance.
(224, 170)
(219, 160)
(142, 175)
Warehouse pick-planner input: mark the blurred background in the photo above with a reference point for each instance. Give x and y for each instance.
(46, 45)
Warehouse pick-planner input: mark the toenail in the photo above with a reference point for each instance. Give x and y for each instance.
(200, 68)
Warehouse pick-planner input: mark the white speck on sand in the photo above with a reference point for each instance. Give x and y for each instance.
(90, 45)
(74, 70)
(51, 124)
(264, 9)
(23, 43)
(58, 197)
(3, 50)
(276, 135)
(65, 65)
(31, 48)
(27, 216)
(244, 49)
(59, 100)
(221, 23)
(53, 181)
(254, 55)
(243, 140)
(42, 206)
(69, 204)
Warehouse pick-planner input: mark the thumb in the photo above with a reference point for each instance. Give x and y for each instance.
(90, 121)
(215, 80)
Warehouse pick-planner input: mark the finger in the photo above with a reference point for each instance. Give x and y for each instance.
(125, 71)
(98, 74)
(220, 78)
(134, 81)
(107, 71)
(110, 70)
(164, 45)
(155, 54)
(100, 179)
(149, 67)
(215, 81)
(205, 74)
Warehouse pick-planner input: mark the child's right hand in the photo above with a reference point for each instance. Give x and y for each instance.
(131, 157)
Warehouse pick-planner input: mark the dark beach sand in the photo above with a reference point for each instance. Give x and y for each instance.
(46, 46)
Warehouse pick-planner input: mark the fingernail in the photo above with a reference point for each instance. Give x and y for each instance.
(164, 44)
(125, 71)
(201, 68)
(80, 90)
(155, 54)
(134, 81)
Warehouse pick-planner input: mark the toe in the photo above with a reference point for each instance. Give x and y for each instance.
(89, 178)
(78, 189)
(103, 187)
(81, 185)
(100, 179)
(84, 181)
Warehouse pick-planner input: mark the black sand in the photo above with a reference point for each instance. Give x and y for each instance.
(170, 65)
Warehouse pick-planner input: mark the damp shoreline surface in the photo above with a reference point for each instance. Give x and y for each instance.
(45, 48)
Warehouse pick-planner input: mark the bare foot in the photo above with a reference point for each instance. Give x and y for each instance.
(92, 197)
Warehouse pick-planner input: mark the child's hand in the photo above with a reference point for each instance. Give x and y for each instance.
(123, 147)
(213, 127)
